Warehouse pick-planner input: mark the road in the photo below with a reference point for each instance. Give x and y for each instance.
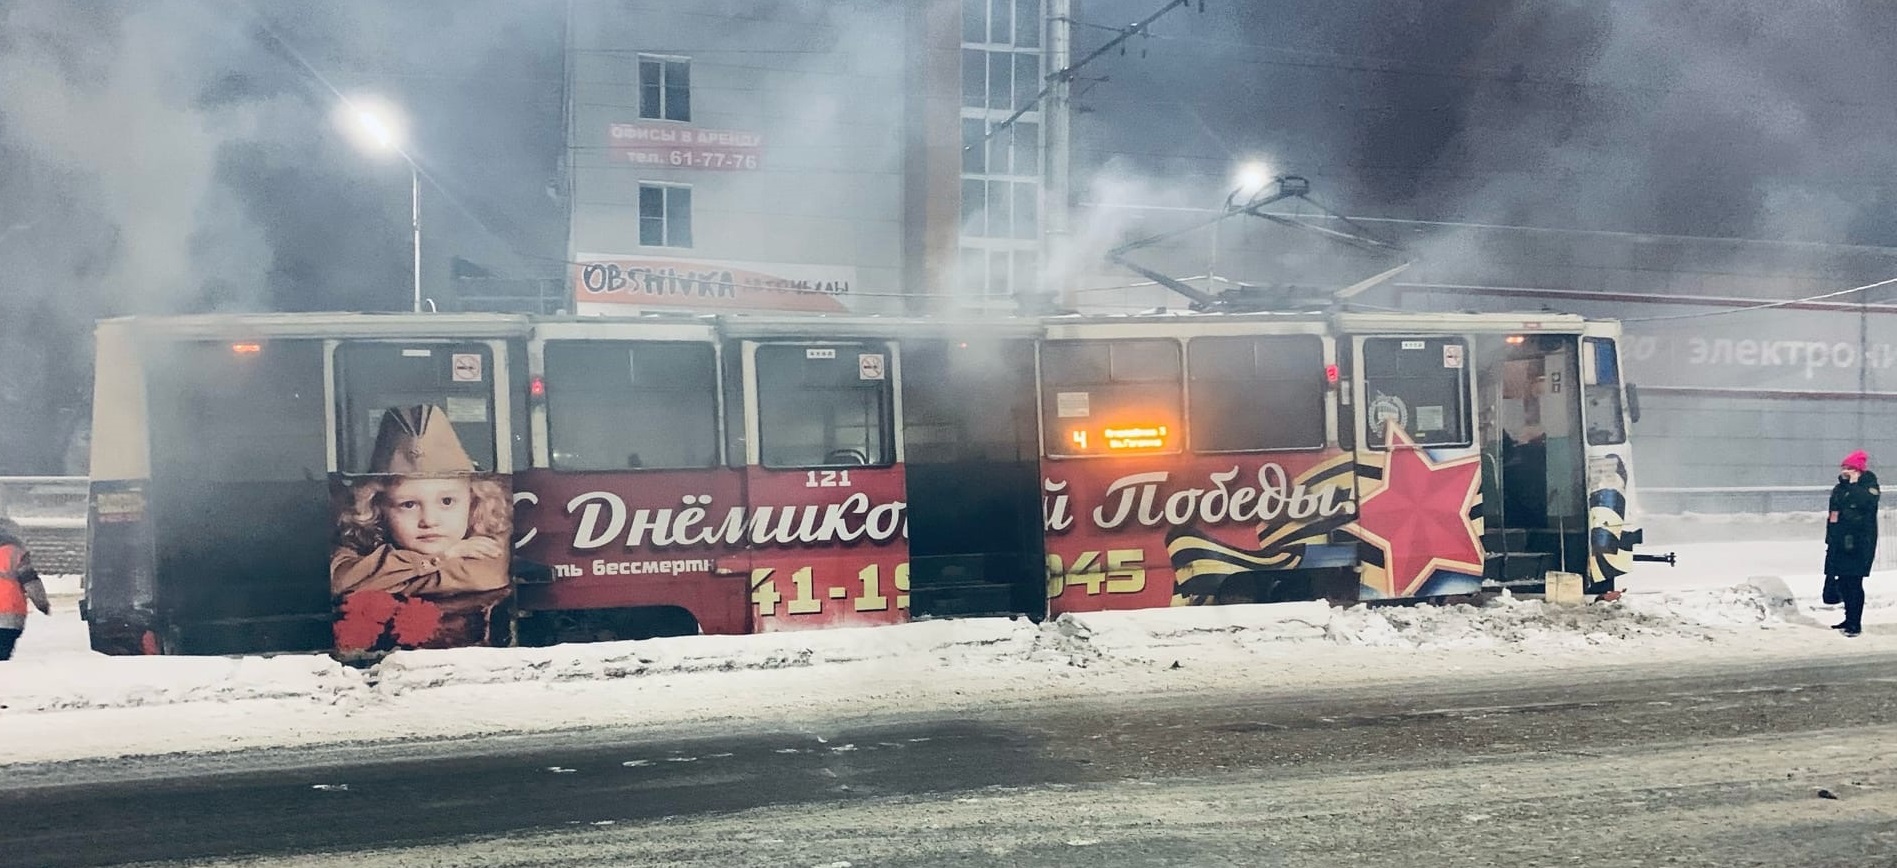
(1704, 766)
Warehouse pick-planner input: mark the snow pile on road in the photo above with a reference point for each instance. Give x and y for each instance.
(131, 682)
(1510, 622)
(923, 643)
(1245, 634)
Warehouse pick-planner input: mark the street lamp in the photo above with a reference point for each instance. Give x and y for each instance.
(1250, 179)
(376, 126)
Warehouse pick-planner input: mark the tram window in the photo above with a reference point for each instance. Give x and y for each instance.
(374, 376)
(1420, 384)
(1256, 393)
(222, 415)
(1606, 424)
(823, 406)
(615, 405)
(1117, 397)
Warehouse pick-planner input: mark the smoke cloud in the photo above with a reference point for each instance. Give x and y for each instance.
(171, 156)
(1736, 119)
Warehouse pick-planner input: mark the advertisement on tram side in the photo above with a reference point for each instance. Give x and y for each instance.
(421, 556)
(781, 550)
(1191, 530)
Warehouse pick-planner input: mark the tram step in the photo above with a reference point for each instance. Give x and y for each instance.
(1508, 539)
(963, 601)
(1516, 566)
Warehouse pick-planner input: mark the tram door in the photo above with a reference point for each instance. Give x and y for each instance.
(1420, 510)
(1612, 534)
(974, 478)
(1533, 455)
(237, 503)
(421, 508)
(823, 484)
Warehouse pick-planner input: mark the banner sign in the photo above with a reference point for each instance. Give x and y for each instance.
(662, 145)
(1734, 346)
(604, 284)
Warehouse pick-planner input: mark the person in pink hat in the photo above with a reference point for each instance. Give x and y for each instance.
(1851, 536)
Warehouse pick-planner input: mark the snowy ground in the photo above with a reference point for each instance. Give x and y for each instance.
(1731, 599)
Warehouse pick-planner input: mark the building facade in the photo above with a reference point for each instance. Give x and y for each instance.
(1003, 69)
(744, 156)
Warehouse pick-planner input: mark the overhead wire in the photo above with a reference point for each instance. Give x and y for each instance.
(1758, 307)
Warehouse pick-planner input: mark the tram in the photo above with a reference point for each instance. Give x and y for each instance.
(356, 483)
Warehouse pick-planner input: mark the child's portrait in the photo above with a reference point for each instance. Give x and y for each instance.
(421, 556)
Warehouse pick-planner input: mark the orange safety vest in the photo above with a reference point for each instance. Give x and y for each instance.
(12, 595)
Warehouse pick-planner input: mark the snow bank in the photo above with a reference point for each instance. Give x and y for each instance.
(1106, 639)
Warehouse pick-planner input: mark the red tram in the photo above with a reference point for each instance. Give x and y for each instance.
(737, 474)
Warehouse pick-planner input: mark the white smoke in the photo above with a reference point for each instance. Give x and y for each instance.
(105, 102)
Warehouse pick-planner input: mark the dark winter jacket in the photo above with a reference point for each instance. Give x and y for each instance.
(1851, 541)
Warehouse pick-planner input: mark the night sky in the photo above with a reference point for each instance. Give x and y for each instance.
(180, 155)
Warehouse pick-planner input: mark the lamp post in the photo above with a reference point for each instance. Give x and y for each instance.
(377, 127)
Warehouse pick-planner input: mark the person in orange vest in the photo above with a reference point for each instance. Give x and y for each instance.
(19, 582)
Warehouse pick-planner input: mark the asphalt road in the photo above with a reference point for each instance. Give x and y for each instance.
(1709, 766)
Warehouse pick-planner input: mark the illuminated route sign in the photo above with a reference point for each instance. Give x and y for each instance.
(1121, 438)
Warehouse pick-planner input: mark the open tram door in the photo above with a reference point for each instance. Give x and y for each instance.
(422, 448)
(1419, 496)
(972, 456)
(1534, 455)
(1605, 412)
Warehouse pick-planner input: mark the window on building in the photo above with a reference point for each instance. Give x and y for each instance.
(1026, 272)
(1250, 394)
(999, 272)
(1420, 385)
(974, 271)
(974, 20)
(1000, 81)
(1026, 148)
(1600, 375)
(1027, 23)
(1000, 22)
(974, 77)
(615, 405)
(824, 406)
(1001, 209)
(1110, 397)
(665, 215)
(974, 149)
(665, 88)
(1027, 208)
(1027, 77)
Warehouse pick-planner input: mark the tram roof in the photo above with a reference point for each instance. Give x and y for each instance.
(342, 325)
(495, 325)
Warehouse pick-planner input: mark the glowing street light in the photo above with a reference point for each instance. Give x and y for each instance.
(378, 129)
(375, 125)
(1251, 178)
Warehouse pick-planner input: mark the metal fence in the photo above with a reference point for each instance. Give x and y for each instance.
(1734, 499)
(51, 513)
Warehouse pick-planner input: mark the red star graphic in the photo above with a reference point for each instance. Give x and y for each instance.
(1419, 517)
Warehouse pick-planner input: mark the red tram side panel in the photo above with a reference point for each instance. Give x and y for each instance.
(1191, 530)
(797, 550)
(626, 540)
(834, 554)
